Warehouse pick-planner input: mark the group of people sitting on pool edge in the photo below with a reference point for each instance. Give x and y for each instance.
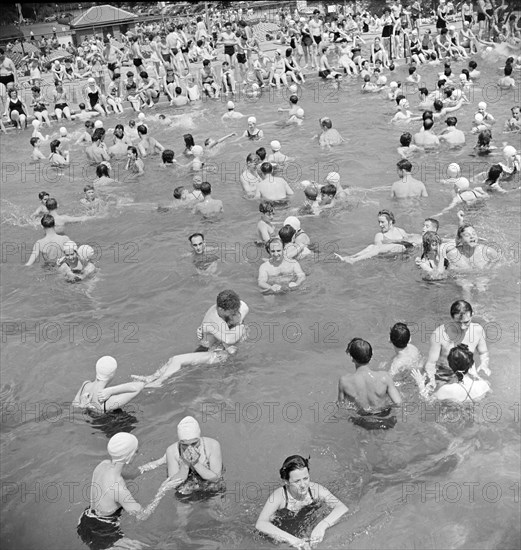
(194, 463)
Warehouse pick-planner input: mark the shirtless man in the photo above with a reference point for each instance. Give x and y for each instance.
(391, 239)
(147, 144)
(208, 207)
(427, 138)
(407, 186)
(51, 246)
(407, 356)
(329, 135)
(61, 219)
(278, 271)
(8, 74)
(249, 177)
(460, 330)
(451, 134)
(468, 253)
(272, 188)
(371, 393)
(202, 259)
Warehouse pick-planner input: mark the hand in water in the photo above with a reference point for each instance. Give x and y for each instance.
(317, 535)
(418, 377)
(292, 284)
(341, 258)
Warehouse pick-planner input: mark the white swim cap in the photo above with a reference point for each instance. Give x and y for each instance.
(252, 120)
(85, 252)
(141, 116)
(254, 86)
(383, 79)
(188, 429)
(453, 170)
(293, 221)
(63, 131)
(230, 105)
(300, 112)
(105, 368)
(35, 123)
(98, 124)
(275, 145)
(509, 151)
(462, 184)
(293, 89)
(478, 118)
(456, 94)
(393, 84)
(482, 105)
(452, 28)
(197, 150)
(333, 177)
(69, 247)
(121, 446)
(91, 81)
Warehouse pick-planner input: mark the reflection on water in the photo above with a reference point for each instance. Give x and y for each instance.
(406, 487)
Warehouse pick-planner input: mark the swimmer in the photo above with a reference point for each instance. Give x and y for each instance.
(514, 123)
(488, 119)
(297, 493)
(62, 219)
(252, 132)
(295, 241)
(193, 460)
(468, 253)
(147, 144)
(426, 138)
(208, 206)
(95, 396)
(327, 196)
(90, 201)
(407, 186)
(109, 495)
(167, 160)
(265, 227)
(279, 273)
(272, 188)
(297, 118)
(463, 194)
(58, 158)
(391, 239)
(210, 143)
(512, 160)
(42, 209)
(407, 148)
(276, 158)
(311, 206)
(466, 387)
(36, 154)
(231, 114)
(329, 135)
(36, 131)
(97, 152)
(333, 178)
(202, 259)
(406, 355)
(293, 106)
(433, 260)
(249, 177)
(507, 82)
(325, 70)
(86, 137)
(51, 247)
(73, 267)
(134, 165)
(371, 393)
(452, 135)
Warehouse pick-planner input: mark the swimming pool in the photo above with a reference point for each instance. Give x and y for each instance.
(441, 479)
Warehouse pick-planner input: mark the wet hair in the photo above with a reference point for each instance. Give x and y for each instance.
(178, 192)
(55, 143)
(206, 62)
(119, 127)
(427, 114)
(102, 170)
(311, 193)
(406, 139)
(273, 240)
(460, 306)
(228, 300)
(329, 189)
(89, 124)
(289, 51)
(43, 194)
(472, 64)
(412, 69)
(34, 140)
(293, 99)
(388, 214)
(451, 121)
(286, 234)
(434, 222)
(142, 129)
(447, 71)
(35, 89)
(438, 105)
(326, 122)
(293, 462)
(252, 157)
(178, 90)
(167, 156)
(266, 207)
(428, 240)
(441, 82)
(461, 230)
(206, 188)
(261, 153)
(82, 107)
(466, 73)
(47, 221)
(428, 123)
(266, 168)
(195, 235)
(131, 123)
(133, 150)
(189, 141)
(484, 138)
(448, 92)
(51, 204)
(99, 133)
(360, 350)
(460, 360)
(398, 98)
(494, 173)
(143, 74)
(400, 335)
(508, 70)
(404, 165)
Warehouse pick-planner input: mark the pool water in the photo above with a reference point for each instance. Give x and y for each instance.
(444, 477)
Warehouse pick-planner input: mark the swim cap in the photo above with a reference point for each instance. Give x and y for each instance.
(509, 151)
(69, 247)
(453, 170)
(300, 113)
(254, 86)
(188, 429)
(252, 120)
(98, 124)
(57, 62)
(478, 118)
(141, 116)
(462, 184)
(85, 252)
(482, 105)
(393, 84)
(230, 105)
(383, 79)
(452, 28)
(35, 123)
(333, 177)
(293, 221)
(105, 368)
(121, 446)
(275, 145)
(456, 94)
(197, 150)
(293, 89)
(91, 81)
(63, 131)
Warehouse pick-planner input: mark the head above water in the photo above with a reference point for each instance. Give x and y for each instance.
(293, 462)
(460, 360)
(400, 335)
(360, 351)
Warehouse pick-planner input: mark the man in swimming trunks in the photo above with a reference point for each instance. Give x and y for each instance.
(407, 186)
(316, 28)
(51, 246)
(194, 459)
(272, 188)
(391, 239)
(371, 393)
(8, 74)
(279, 273)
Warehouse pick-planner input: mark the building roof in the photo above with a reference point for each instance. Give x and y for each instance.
(102, 15)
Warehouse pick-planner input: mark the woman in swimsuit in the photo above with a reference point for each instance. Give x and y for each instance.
(94, 97)
(39, 106)
(16, 110)
(229, 41)
(466, 387)
(295, 498)
(432, 261)
(61, 107)
(306, 42)
(441, 12)
(292, 69)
